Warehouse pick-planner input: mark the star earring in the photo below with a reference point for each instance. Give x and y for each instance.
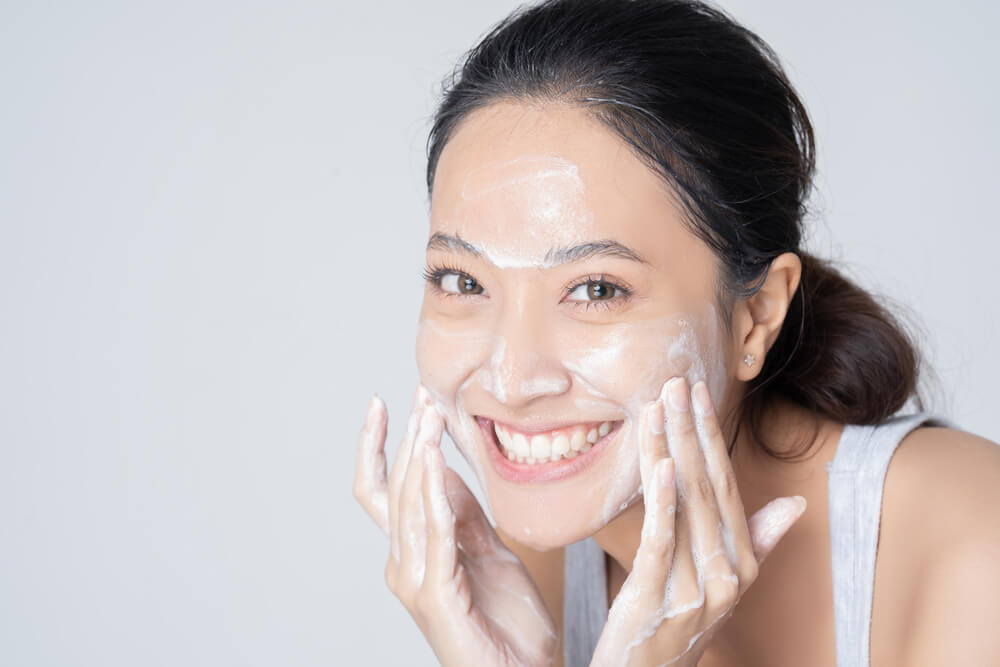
(749, 360)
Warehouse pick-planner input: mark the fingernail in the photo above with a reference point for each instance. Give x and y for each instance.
(802, 502)
(677, 394)
(666, 473)
(702, 399)
(654, 417)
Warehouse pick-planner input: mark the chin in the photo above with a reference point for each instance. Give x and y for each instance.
(551, 530)
(550, 502)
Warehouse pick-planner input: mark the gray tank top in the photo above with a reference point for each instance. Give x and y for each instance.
(856, 476)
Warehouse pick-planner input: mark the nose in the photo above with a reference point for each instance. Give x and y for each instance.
(523, 365)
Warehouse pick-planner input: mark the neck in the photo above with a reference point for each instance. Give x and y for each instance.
(620, 538)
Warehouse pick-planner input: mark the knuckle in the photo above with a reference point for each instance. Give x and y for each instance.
(730, 487)
(710, 425)
(748, 573)
(703, 489)
(659, 547)
(683, 427)
(725, 593)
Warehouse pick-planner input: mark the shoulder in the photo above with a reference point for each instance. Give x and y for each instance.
(941, 497)
(946, 479)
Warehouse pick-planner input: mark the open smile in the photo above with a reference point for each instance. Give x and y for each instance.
(540, 456)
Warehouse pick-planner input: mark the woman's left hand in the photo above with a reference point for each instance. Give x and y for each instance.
(685, 583)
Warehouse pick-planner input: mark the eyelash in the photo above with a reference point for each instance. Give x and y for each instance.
(433, 275)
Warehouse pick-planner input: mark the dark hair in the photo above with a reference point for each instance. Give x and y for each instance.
(706, 104)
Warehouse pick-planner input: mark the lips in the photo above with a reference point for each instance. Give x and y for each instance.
(537, 456)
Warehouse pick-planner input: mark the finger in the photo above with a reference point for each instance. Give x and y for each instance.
(412, 523)
(652, 441)
(655, 556)
(695, 488)
(420, 401)
(771, 522)
(399, 466)
(684, 591)
(442, 551)
(370, 484)
(736, 533)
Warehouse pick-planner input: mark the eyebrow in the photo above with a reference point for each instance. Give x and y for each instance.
(554, 257)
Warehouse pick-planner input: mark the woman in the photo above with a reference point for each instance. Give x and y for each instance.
(655, 383)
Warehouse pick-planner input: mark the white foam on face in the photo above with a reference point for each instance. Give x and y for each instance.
(526, 172)
(546, 196)
(673, 346)
(544, 191)
(492, 378)
(463, 429)
(668, 346)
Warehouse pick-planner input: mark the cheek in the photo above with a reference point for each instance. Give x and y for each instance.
(447, 357)
(447, 354)
(627, 365)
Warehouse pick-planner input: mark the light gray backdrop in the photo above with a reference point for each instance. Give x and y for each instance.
(211, 226)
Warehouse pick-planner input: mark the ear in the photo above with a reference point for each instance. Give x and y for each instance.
(758, 319)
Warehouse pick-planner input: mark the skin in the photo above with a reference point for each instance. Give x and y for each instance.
(534, 351)
(513, 183)
(523, 352)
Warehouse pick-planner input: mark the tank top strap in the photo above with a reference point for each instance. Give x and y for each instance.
(585, 601)
(856, 477)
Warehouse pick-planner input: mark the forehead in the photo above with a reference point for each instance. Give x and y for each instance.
(545, 175)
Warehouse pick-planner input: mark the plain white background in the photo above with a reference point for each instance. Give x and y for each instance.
(211, 228)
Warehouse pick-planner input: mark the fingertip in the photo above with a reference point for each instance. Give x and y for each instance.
(431, 423)
(666, 388)
(377, 412)
(701, 398)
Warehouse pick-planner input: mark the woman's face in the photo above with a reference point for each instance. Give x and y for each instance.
(563, 292)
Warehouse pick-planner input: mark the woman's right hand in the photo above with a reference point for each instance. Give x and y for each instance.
(471, 596)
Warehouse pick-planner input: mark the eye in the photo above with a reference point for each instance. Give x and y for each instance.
(459, 283)
(594, 291)
(599, 291)
(451, 281)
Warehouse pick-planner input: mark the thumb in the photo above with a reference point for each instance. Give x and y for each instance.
(770, 523)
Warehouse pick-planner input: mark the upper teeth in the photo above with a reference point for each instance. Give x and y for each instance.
(551, 446)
